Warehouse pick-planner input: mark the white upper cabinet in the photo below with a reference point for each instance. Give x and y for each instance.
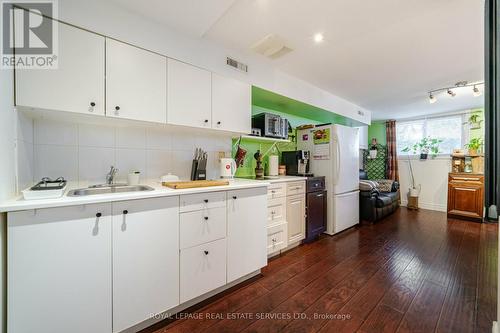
(231, 105)
(136, 82)
(363, 137)
(189, 96)
(145, 259)
(77, 85)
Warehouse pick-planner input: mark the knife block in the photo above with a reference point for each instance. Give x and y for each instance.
(198, 172)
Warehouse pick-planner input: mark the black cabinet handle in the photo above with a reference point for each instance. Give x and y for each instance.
(218, 123)
(98, 215)
(206, 121)
(125, 212)
(117, 108)
(206, 252)
(235, 197)
(206, 218)
(206, 200)
(92, 104)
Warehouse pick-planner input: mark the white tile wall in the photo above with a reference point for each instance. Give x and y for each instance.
(84, 153)
(24, 151)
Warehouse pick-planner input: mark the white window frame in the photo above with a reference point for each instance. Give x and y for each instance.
(464, 135)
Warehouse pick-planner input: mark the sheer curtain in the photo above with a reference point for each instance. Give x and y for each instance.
(392, 158)
(492, 108)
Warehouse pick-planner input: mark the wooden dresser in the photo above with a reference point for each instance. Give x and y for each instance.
(466, 195)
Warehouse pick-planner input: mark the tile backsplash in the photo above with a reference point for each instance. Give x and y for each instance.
(84, 152)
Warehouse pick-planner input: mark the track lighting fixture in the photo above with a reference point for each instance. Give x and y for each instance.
(476, 92)
(451, 91)
(432, 98)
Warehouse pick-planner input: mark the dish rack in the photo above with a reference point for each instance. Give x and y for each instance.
(46, 189)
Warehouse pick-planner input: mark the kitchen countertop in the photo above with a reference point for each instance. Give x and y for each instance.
(19, 203)
(279, 179)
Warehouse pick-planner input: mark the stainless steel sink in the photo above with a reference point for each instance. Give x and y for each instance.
(108, 189)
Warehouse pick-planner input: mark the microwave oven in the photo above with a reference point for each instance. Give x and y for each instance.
(271, 125)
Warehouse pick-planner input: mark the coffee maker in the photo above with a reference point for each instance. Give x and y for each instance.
(297, 163)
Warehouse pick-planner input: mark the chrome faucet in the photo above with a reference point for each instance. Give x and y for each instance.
(110, 177)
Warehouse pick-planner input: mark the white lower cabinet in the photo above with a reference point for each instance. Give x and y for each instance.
(276, 238)
(246, 231)
(286, 223)
(107, 267)
(145, 259)
(202, 226)
(203, 268)
(59, 270)
(276, 211)
(296, 217)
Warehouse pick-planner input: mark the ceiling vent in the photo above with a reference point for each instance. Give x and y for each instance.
(272, 46)
(237, 65)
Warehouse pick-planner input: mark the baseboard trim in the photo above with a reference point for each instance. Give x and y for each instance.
(494, 328)
(427, 205)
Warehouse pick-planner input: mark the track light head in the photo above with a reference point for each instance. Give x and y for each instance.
(476, 92)
(432, 98)
(451, 93)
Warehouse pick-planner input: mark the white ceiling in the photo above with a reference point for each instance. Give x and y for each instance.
(383, 55)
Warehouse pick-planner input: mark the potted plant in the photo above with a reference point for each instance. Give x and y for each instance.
(373, 149)
(424, 147)
(473, 145)
(474, 123)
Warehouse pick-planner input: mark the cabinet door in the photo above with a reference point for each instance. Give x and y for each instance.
(316, 214)
(135, 83)
(465, 199)
(203, 269)
(189, 95)
(145, 259)
(202, 226)
(231, 105)
(77, 83)
(276, 211)
(246, 232)
(295, 216)
(363, 137)
(59, 270)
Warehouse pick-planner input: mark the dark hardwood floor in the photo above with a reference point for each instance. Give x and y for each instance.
(412, 272)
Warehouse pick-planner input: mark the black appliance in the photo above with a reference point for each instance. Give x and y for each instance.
(271, 125)
(316, 208)
(297, 162)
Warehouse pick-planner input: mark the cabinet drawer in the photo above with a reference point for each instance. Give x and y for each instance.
(276, 238)
(276, 210)
(295, 188)
(202, 269)
(202, 226)
(192, 202)
(276, 191)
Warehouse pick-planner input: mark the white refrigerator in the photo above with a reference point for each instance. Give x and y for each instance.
(334, 153)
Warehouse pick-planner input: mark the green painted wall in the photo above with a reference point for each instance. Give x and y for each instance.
(269, 100)
(296, 112)
(377, 130)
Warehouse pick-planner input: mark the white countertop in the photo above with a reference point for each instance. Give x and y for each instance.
(19, 203)
(279, 179)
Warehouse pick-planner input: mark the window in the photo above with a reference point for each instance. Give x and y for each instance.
(448, 129)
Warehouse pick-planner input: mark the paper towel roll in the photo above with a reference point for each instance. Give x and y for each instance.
(273, 165)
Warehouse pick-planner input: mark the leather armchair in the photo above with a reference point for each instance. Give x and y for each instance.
(374, 204)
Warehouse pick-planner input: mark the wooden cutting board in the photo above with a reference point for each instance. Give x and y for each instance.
(195, 183)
